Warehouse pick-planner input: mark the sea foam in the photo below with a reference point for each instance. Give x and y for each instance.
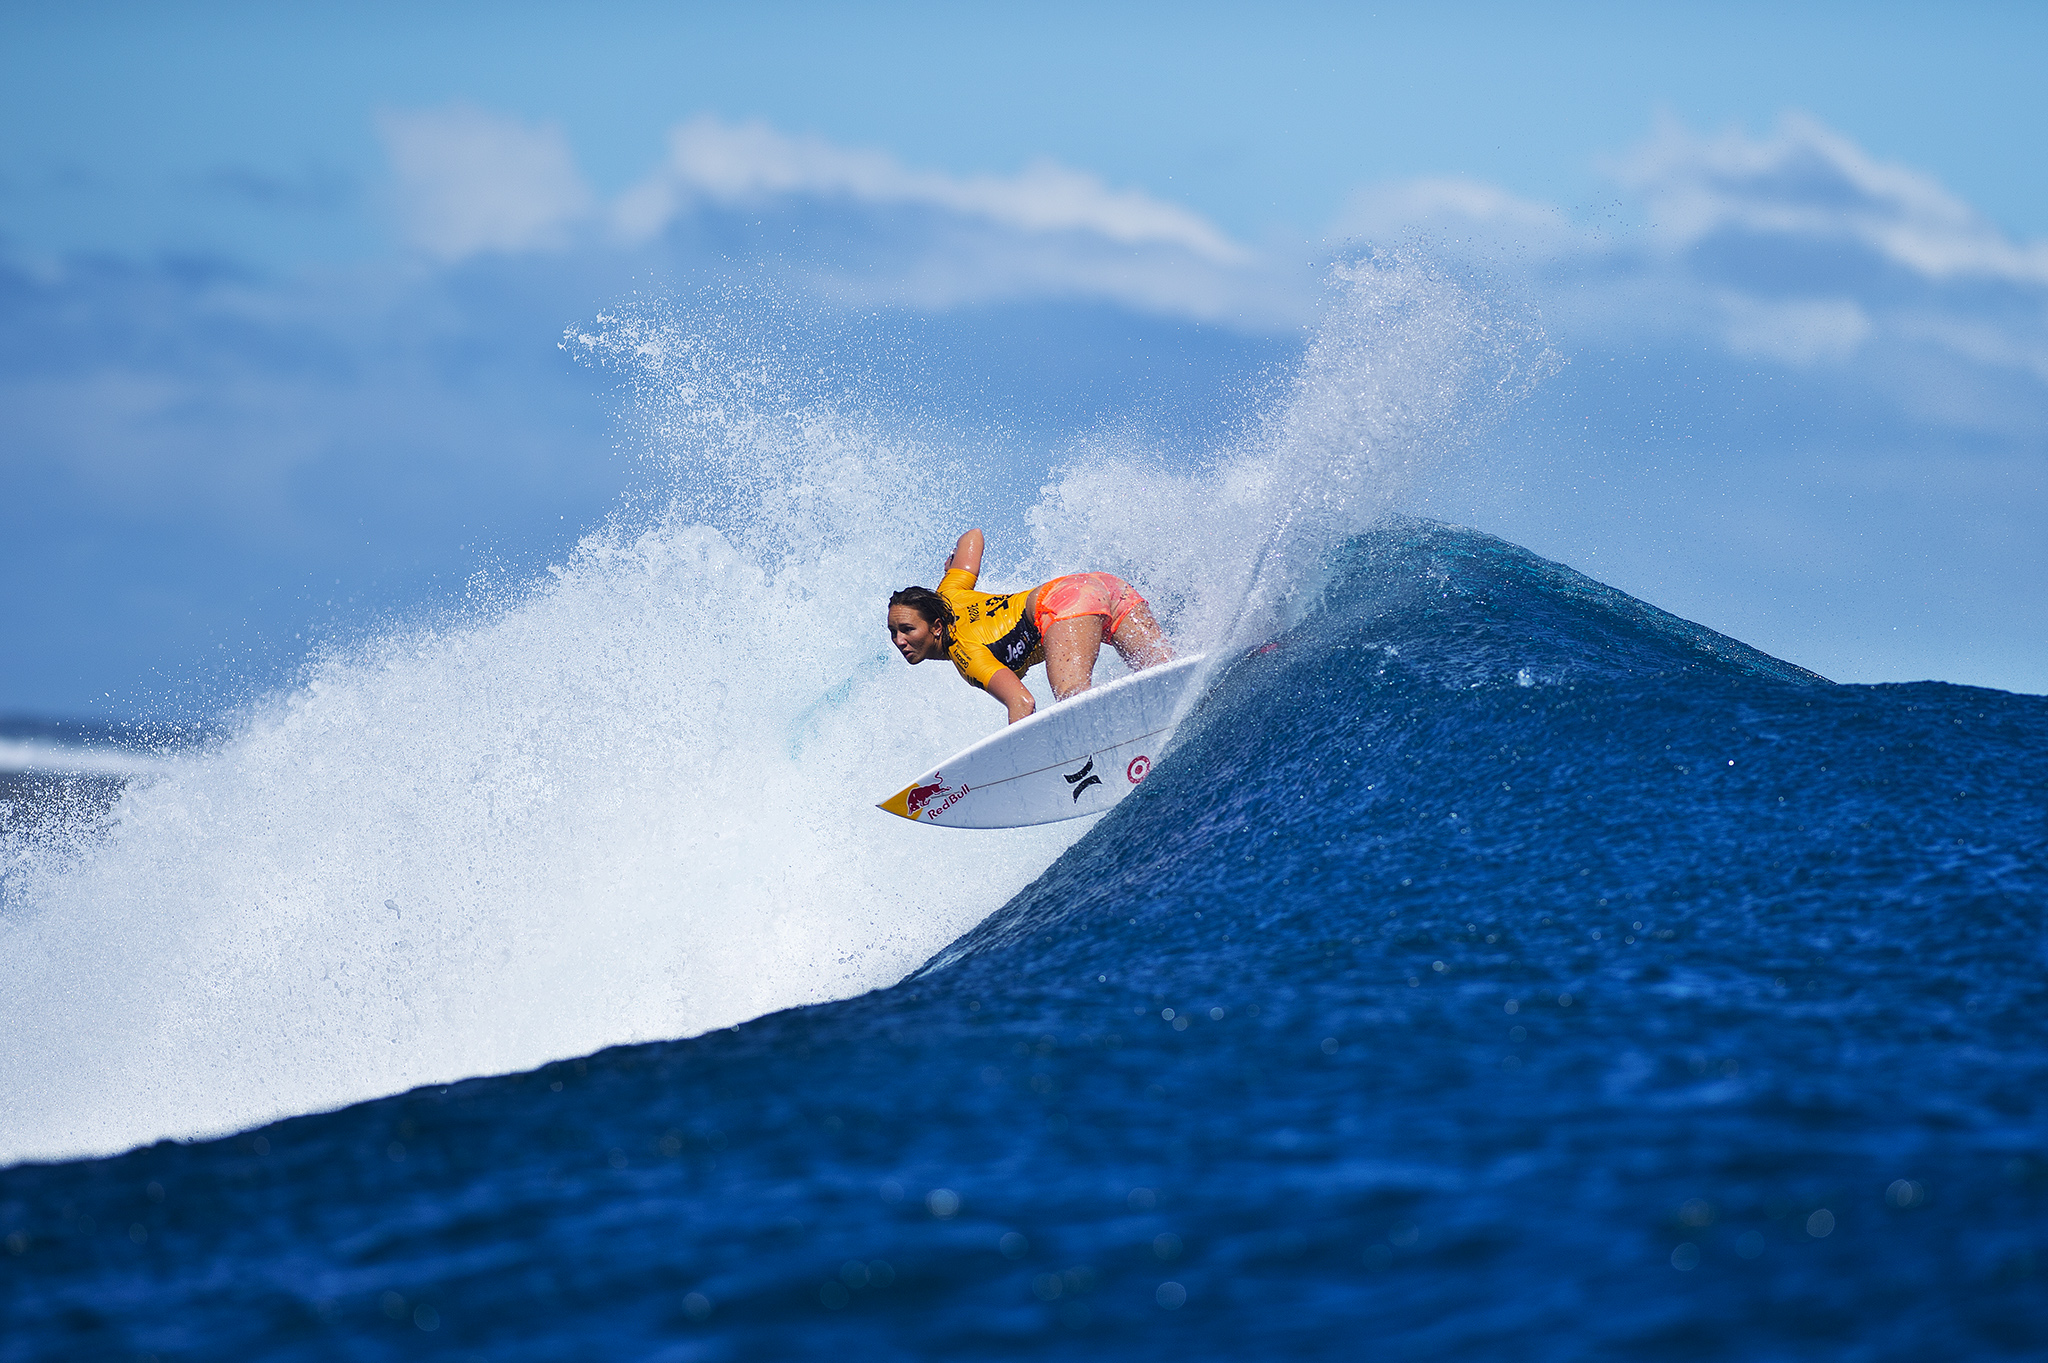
(634, 799)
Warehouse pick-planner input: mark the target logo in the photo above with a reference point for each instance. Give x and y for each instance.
(1139, 766)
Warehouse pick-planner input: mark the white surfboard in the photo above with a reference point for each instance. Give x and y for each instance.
(1077, 757)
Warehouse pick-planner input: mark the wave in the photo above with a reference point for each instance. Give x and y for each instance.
(1488, 943)
(1429, 644)
(632, 800)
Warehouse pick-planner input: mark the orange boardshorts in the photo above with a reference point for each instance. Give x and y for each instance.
(1079, 594)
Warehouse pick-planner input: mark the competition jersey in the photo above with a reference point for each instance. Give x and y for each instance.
(989, 632)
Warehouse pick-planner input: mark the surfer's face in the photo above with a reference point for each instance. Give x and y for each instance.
(915, 637)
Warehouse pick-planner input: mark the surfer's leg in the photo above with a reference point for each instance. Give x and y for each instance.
(1138, 639)
(1070, 649)
(1133, 630)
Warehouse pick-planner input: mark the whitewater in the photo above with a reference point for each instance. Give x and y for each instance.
(632, 800)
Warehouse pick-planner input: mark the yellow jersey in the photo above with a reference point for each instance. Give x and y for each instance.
(990, 632)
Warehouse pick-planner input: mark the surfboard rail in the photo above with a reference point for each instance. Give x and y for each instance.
(1069, 760)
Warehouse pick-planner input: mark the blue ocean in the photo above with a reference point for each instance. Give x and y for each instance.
(1496, 966)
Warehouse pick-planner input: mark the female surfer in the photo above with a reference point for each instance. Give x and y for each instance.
(994, 638)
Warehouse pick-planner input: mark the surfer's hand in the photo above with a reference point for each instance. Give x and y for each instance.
(1022, 708)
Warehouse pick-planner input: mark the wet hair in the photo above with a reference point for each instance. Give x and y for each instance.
(927, 603)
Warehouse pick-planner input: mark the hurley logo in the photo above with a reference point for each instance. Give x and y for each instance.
(1082, 779)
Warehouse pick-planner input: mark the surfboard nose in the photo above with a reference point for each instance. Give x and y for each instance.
(899, 803)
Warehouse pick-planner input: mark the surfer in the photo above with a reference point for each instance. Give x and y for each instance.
(994, 638)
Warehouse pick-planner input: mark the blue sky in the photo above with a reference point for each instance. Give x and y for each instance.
(284, 290)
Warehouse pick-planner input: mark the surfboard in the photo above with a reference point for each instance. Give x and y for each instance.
(1068, 760)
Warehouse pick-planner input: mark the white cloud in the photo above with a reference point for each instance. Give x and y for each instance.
(1981, 342)
(1807, 181)
(1811, 250)
(967, 269)
(1803, 332)
(1451, 203)
(471, 181)
(1797, 247)
(736, 164)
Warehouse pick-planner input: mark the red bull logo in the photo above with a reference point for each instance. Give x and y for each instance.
(925, 802)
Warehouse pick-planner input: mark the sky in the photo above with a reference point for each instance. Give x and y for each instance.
(286, 289)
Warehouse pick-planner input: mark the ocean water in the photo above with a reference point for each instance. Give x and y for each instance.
(1496, 966)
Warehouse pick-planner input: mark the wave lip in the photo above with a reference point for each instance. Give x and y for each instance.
(1462, 602)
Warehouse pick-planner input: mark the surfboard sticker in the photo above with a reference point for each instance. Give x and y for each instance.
(1072, 759)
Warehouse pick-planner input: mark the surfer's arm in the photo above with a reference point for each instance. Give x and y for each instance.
(966, 555)
(1007, 687)
(980, 668)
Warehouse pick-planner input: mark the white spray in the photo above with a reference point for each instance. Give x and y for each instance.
(635, 801)
(1406, 366)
